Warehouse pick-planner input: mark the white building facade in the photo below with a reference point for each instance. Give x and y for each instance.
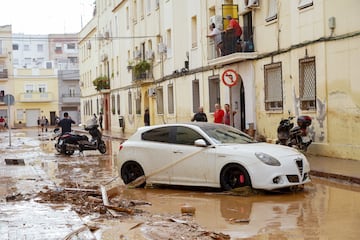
(285, 62)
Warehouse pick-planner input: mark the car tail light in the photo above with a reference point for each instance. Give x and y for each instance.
(121, 147)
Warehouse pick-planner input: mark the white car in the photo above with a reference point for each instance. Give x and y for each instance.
(209, 155)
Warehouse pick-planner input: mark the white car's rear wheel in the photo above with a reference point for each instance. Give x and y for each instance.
(234, 176)
(131, 171)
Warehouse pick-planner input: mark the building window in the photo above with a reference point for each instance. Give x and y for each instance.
(130, 102)
(138, 102)
(193, 32)
(29, 88)
(160, 100)
(72, 92)
(273, 87)
(272, 10)
(71, 46)
(214, 92)
(26, 47)
(196, 95)
(42, 88)
(304, 4)
(58, 49)
(113, 104)
(15, 47)
(118, 103)
(170, 98)
(168, 43)
(307, 83)
(40, 48)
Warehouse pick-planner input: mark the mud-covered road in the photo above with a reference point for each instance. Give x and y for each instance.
(64, 197)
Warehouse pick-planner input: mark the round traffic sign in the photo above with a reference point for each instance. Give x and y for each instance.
(9, 99)
(230, 77)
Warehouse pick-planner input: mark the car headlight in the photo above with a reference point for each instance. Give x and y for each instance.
(267, 159)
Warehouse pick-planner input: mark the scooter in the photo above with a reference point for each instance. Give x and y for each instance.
(297, 136)
(68, 143)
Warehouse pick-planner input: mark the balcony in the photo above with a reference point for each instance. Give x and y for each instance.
(142, 71)
(36, 97)
(4, 75)
(230, 48)
(70, 98)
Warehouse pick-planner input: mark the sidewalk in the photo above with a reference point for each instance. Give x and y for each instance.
(342, 169)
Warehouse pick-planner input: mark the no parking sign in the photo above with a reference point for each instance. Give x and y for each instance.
(230, 77)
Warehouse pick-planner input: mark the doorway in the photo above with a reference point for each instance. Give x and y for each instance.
(238, 105)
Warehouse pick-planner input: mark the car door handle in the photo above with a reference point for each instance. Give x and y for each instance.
(178, 151)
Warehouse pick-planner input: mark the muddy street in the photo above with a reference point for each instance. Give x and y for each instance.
(52, 196)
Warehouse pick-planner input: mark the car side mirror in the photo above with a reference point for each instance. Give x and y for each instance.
(200, 143)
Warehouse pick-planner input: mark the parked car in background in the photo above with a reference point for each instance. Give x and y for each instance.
(209, 155)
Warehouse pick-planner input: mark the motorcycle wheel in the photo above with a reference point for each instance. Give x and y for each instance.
(102, 147)
(58, 149)
(67, 152)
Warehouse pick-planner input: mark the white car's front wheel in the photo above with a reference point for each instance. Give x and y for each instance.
(234, 176)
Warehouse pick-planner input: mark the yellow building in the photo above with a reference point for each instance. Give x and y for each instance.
(293, 56)
(36, 95)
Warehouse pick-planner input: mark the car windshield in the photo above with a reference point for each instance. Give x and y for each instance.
(222, 134)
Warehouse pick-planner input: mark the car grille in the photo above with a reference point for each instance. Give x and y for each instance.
(293, 178)
(300, 165)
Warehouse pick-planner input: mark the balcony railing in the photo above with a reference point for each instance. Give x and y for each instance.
(229, 45)
(71, 98)
(36, 97)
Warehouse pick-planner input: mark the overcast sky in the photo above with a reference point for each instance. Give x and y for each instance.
(45, 16)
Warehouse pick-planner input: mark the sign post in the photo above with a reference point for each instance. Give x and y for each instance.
(230, 78)
(9, 100)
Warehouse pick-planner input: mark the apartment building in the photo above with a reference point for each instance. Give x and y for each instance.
(294, 57)
(6, 77)
(46, 76)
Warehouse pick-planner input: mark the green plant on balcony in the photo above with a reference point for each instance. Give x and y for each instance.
(101, 83)
(141, 68)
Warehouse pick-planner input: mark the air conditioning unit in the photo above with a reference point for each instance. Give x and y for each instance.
(162, 48)
(149, 54)
(253, 3)
(217, 20)
(151, 92)
(88, 45)
(107, 35)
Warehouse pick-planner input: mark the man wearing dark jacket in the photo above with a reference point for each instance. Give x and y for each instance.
(65, 123)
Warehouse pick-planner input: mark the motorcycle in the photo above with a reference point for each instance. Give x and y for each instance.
(297, 136)
(68, 143)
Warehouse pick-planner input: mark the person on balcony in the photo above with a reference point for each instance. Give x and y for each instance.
(233, 24)
(215, 34)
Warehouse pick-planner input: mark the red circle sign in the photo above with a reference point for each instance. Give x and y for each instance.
(230, 77)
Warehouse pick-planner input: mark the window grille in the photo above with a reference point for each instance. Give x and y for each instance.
(273, 87)
(307, 83)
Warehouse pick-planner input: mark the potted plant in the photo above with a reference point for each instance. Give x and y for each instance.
(101, 82)
(141, 68)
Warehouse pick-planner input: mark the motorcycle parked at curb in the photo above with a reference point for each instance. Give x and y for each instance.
(68, 143)
(298, 136)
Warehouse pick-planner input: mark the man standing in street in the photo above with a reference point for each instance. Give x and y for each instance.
(200, 116)
(65, 123)
(218, 114)
(101, 120)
